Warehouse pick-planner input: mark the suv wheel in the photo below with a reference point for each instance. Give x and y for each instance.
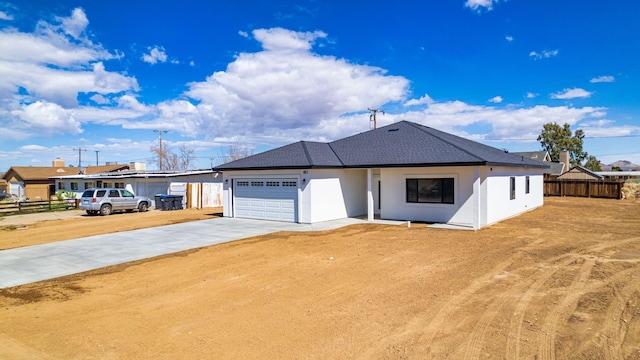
(143, 207)
(105, 210)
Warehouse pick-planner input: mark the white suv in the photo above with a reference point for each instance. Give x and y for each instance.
(107, 200)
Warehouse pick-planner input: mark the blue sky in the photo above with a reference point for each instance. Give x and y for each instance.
(102, 76)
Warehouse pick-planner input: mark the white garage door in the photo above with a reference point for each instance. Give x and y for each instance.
(269, 199)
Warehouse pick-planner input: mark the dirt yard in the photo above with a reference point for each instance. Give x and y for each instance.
(560, 282)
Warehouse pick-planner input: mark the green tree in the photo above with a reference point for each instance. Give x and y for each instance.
(555, 138)
(593, 164)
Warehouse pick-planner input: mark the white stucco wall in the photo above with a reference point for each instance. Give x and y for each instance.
(498, 189)
(492, 204)
(337, 194)
(395, 206)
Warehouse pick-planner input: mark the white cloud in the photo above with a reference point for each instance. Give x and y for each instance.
(75, 24)
(509, 38)
(545, 54)
(602, 79)
(5, 16)
(424, 100)
(287, 90)
(47, 118)
(571, 94)
(54, 63)
(155, 55)
(531, 95)
(496, 99)
(99, 99)
(477, 5)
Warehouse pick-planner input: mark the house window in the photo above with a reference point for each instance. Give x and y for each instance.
(527, 185)
(88, 185)
(106, 184)
(74, 186)
(513, 187)
(437, 190)
(119, 185)
(60, 185)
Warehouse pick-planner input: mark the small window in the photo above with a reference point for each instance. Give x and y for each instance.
(527, 185)
(289, 183)
(257, 183)
(88, 185)
(436, 190)
(513, 187)
(61, 186)
(74, 186)
(273, 183)
(119, 185)
(242, 183)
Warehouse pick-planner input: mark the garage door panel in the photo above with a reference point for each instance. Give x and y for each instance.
(266, 199)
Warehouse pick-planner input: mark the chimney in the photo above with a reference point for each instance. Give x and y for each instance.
(564, 159)
(57, 163)
(139, 166)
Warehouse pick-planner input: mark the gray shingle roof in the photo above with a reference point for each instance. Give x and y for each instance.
(402, 144)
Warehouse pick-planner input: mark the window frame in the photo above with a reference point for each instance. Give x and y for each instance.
(446, 186)
(527, 185)
(512, 188)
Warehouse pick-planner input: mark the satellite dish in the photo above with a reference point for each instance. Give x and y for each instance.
(80, 169)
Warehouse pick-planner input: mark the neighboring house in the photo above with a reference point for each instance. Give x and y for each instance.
(580, 173)
(403, 171)
(555, 168)
(619, 175)
(3, 184)
(34, 182)
(199, 188)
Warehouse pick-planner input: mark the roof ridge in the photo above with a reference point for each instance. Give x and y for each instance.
(306, 152)
(422, 128)
(336, 154)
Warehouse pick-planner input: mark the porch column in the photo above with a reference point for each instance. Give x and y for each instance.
(369, 195)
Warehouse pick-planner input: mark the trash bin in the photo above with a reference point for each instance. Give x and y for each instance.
(167, 202)
(158, 198)
(177, 202)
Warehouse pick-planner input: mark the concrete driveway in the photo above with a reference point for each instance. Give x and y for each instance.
(48, 261)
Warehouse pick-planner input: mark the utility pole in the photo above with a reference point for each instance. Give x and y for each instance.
(160, 154)
(97, 151)
(372, 117)
(80, 150)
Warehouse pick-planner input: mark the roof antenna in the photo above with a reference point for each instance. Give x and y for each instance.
(372, 116)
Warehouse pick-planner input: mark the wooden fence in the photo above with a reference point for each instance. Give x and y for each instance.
(7, 208)
(610, 189)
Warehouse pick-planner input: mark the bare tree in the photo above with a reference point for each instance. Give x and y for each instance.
(187, 157)
(235, 152)
(168, 160)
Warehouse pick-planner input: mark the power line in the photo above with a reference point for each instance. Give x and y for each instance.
(372, 117)
(160, 154)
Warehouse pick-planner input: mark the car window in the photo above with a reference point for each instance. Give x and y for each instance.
(127, 193)
(114, 193)
(100, 193)
(87, 193)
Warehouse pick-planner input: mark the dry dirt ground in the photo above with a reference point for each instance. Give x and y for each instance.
(559, 282)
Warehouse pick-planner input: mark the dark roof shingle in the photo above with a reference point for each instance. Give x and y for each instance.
(399, 144)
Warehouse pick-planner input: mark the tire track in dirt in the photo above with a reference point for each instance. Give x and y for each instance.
(476, 339)
(615, 327)
(546, 350)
